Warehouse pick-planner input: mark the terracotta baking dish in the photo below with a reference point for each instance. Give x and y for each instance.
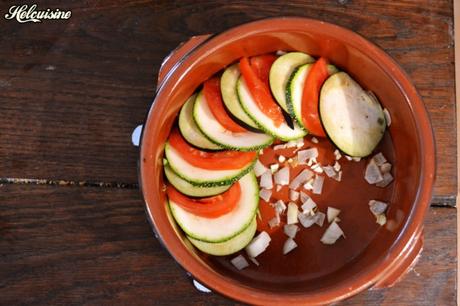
(317, 275)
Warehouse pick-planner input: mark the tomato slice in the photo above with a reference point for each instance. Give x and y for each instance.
(222, 160)
(310, 98)
(266, 213)
(211, 91)
(261, 65)
(261, 93)
(211, 207)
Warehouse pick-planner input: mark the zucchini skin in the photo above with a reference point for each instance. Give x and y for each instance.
(212, 183)
(230, 246)
(225, 145)
(189, 128)
(191, 190)
(264, 128)
(251, 216)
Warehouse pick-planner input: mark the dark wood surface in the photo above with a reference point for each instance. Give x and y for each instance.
(86, 245)
(72, 91)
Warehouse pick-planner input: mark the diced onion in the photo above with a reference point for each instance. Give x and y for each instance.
(278, 188)
(240, 262)
(303, 176)
(291, 230)
(280, 147)
(377, 207)
(318, 184)
(258, 244)
(254, 261)
(259, 168)
(320, 217)
(293, 195)
(289, 245)
(281, 159)
(274, 167)
(280, 52)
(265, 194)
(318, 169)
(308, 206)
(275, 221)
(338, 176)
(292, 213)
(337, 154)
(266, 180)
(295, 143)
(386, 167)
(387, 179)
(329, 170)
(309, 185)
(348, 158)
(261, 151)
(387, 116)
(314, 140)
(307, 220)
(303, 155)
(372, 174)
(332, 233)
(379, 159)
(381, 219)
(280, 207)
(282, 176)
(337, 166)
(332, 213)
(304, 197)
(356, 159)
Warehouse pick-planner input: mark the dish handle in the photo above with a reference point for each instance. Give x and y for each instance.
(174, 56)
(408, 261)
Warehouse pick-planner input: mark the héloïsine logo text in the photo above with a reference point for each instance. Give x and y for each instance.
(25, 13)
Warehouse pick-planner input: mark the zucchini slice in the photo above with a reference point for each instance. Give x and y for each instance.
(353, 120)
(281, 71)
(294, 90)
(230, 246)
(189, 189)
(224, 227)
(209, 126)
(230, 97)
(189, 129)
(283, 132)
(203, 177)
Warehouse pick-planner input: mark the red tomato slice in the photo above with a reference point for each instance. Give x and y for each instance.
(261, 65)
(211, 91)
(222, 160)
(261, 93)
(310, 98)
(266, 212)
(211, 207)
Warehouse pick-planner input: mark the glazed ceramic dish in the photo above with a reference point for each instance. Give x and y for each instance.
(315, 274)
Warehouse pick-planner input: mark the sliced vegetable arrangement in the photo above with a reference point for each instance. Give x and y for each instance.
(223, 191)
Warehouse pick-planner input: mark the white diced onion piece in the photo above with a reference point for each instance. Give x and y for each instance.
(332, 233)
(266, 180)
(289, 245)
(265, 194)
(259, 168)
(258, 244)
(292, 213)
(240, 262)
(282, 176)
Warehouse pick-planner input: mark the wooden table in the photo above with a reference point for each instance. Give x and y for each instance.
(72, 222)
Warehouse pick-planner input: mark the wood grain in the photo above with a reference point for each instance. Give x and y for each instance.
(72, 91)
(84, 245)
